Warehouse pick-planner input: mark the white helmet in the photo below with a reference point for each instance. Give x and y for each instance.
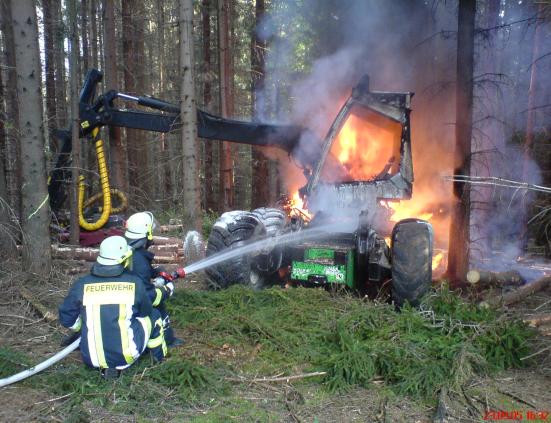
(114, 250)
(140, 225)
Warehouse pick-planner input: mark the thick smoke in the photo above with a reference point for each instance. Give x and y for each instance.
(410, 46)
(502, 82)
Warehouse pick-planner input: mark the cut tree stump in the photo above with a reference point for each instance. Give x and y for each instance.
(518, 294)
(482, 279)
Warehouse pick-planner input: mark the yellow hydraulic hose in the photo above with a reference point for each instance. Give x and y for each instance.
(123, 201)
(106, 191)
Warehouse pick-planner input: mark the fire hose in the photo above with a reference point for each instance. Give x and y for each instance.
(41, 366)
(179, 273)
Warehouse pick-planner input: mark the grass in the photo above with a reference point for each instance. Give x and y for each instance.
(238, 332)
(354, 341)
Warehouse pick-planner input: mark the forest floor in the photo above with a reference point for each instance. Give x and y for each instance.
(218, 378)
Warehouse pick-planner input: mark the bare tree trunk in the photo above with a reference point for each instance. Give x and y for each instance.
(94, 33)
(166, 173)
(458, 259)
(157, 51)
(260, 194)
(210, 200)
(35, 210)
(7, 235)
(531, 113)
(133, 57)
(13, 153)
(188, 107)
(84, 31)
(61, 97)
(75, 152)
(101, 33)
(173, 82)
(49, 64)
(87, 154)
(119, 168)
(226, 200)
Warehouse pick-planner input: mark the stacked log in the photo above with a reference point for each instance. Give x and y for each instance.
(481, 279)
(170, 228)
(519, 294)
(169, 253)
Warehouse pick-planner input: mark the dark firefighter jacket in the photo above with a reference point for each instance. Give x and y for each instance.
(112, 309)
(141, 266)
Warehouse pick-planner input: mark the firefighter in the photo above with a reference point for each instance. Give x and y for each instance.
(113, 312)
(158, 283)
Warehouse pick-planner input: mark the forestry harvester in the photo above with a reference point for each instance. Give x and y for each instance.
(348, 184)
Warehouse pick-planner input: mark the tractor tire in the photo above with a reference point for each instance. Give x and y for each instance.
(411, 261)
(269, 262)
(274, 219)
(231, 230)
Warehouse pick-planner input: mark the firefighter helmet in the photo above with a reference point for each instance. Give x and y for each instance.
(114, 250)
(140, 225)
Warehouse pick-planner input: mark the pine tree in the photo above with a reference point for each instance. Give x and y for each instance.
(35, 217)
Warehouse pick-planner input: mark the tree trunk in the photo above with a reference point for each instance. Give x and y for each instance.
(226, 166)
(35, 208)
(87, 152)
(458, 259)
(157, 51)
(75, 139)
(61, 97)
(210, 200)
(532, 91)
(85, 60)
(188, 112)
(133, 13)
(93, 33)
(13, 152)
(49, 64)
(7, 239)
(260, 179)
(119, 168)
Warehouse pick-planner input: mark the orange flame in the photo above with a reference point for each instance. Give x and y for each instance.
(406, 209)
(367, 146)
(436, 260)
(295, 207)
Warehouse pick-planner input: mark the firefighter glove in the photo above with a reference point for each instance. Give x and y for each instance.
(159, 282)
(166, 276)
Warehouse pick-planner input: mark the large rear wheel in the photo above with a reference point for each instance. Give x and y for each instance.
(269, 262)
(411, 261)
(231, 230)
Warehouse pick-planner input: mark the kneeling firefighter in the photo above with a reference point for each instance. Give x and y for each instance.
(113, 312)
(157, 282)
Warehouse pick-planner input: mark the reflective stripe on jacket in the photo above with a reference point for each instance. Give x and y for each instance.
(115, 315)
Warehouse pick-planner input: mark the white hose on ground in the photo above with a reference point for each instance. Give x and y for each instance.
(39, 367)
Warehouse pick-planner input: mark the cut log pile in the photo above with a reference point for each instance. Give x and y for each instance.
(167, 250)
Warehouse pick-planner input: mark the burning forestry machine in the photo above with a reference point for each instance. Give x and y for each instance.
(363, 162)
